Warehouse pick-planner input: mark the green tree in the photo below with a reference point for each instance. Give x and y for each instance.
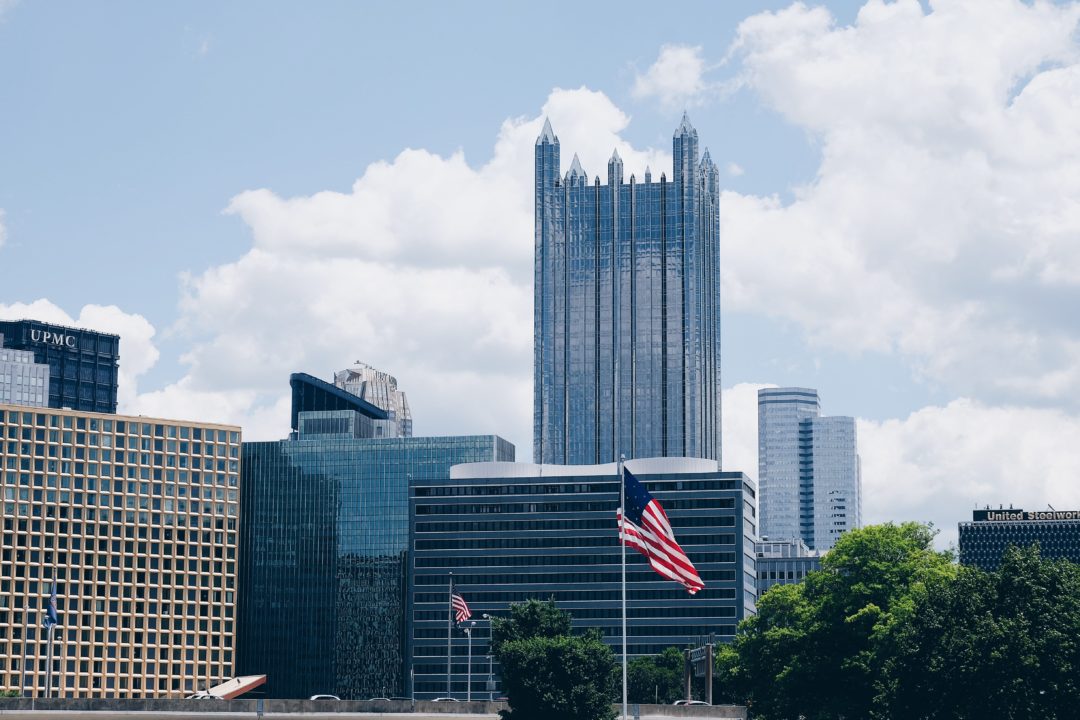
(1003, 644)
(548, 672)
(815, 649)
(656, 677)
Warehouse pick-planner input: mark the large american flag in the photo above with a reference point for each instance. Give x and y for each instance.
(461, 609)
(647, 528)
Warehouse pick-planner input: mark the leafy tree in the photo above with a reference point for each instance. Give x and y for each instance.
(549, 673)
(657, 677)
(1003, 644)
(814, 649)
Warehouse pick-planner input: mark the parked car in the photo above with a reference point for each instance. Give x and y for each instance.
(446, 700)
(689, 702)
(378, 698)
(324, 697)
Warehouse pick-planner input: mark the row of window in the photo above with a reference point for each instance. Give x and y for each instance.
(559, 524)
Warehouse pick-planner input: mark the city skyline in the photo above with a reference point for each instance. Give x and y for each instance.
(899, 239)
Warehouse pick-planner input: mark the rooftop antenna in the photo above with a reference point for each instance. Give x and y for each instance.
(1050, 506)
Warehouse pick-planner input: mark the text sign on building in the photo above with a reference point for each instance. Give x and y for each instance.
(52, 338)
(1017, 514)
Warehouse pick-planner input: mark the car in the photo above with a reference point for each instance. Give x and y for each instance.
(324, 697)
(446, 700)
(690, 702)
(378, 698)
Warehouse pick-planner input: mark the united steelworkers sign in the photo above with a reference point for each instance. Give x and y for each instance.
(1018, 514)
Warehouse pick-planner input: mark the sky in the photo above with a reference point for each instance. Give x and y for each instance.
(244, 190)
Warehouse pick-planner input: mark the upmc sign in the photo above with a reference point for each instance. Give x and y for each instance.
(52, 338)
(1016, 514)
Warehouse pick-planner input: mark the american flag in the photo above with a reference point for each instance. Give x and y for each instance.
(647, 528)
(51, 618)
(461, 609)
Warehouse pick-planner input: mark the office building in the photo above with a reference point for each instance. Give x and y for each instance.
(514, 531)
(135, 521)
(83, 364)
(22, 381)
(984, 540)
(808, 469)
(379, 389)
(784, 562)
(627, 309)
(324, 541)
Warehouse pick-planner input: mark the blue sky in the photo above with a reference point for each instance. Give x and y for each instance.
(213, 179)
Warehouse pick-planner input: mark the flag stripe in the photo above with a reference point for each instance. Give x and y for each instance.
(461, 608)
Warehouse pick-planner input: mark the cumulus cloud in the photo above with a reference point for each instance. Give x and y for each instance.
(137, 350)
(740, 428)
(423, 269)
(676, 78)
(941, 462)
(942, 222)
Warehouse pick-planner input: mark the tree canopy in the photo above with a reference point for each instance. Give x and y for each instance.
(547, 671)
(891, 628)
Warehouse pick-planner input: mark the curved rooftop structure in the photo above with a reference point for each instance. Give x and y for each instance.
(309, 394)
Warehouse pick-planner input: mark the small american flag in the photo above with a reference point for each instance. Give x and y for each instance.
(461, 609)
(51, 618)
(646, 527)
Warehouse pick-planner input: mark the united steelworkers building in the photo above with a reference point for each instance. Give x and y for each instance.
(134, 521)
(514, 531)
(983, 541)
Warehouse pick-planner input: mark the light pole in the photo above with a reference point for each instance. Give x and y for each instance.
(468, 673)
(491, 678)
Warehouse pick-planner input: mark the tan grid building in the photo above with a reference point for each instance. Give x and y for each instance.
(135, 520)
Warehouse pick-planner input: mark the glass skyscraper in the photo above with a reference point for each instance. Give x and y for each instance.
(808, 469)
(324, 540)
(627, 309)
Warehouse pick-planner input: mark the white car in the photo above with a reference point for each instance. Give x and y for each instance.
(445, 700)
(324, 697)
(690, 702)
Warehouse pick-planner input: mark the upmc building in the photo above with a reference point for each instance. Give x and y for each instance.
(83, 364)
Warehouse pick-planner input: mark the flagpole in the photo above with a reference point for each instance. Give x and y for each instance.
(449, 631)
(622, 546)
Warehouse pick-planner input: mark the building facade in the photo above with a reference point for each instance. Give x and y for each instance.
(808, 469)
(134, 520)
(22, 381)
(83, 364)
(379, 389)
(514, 531)
(784, 562)
(984, 540)
(627, 309)
(324, 541)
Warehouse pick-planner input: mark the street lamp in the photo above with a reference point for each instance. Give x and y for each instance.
(491, 677)
(468, 675)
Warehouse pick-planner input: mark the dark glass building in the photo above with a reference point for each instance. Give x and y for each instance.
(324, 540)
(514, 531)
(983, 541)
(626, 309)
(83, 364)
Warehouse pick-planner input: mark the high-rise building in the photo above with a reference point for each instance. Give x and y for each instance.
(324, 540)
(808, 469)
(514, 531)
(984, 540)
(83, 364)
(133, 520)
(784, 562)
(22, 381)
(379, 389)
(627, 309)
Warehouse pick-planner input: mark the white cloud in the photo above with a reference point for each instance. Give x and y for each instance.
(423, 269)
(734, 169)
(739, 422)
(942, 223)
(137, 350)
(941, 462)
(677, 78)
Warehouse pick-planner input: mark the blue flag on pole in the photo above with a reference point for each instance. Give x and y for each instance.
(51, 618)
